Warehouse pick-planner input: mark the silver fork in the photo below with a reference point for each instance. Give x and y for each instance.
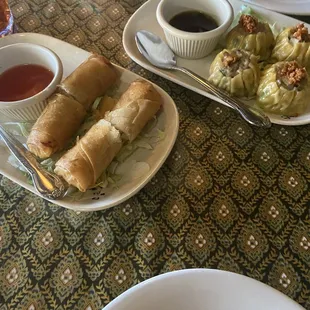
(48, 184)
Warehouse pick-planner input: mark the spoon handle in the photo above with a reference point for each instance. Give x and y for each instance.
(251, 114)
(47, 184)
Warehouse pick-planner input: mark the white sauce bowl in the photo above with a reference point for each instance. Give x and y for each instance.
(188, 44)
(26, 53)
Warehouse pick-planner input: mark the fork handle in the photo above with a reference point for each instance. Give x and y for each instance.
(48, 184)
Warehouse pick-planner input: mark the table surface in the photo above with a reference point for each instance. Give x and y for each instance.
(230, 196)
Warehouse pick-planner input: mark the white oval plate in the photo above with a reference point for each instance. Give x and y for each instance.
(291, 7)
(94, 200)
(202, 289)
(145, 19)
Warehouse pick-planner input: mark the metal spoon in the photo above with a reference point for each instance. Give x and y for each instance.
(159, 54)
(48, 184)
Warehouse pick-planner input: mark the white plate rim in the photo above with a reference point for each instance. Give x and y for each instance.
(127, 44)
(115, 303)
(286, 8)
(33, 37)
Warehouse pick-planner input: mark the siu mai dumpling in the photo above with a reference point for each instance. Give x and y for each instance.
(284, 89)
(293, 44)
(235, 71)
(251, 35)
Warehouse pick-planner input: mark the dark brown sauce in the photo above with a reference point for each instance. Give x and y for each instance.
(193, 21)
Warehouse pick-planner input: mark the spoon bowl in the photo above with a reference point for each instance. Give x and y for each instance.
(155, 50)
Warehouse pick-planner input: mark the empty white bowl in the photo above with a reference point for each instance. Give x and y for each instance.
(26, 53)
(188, 44)
(202, 289)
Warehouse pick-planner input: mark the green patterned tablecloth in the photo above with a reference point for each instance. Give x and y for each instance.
(230, 196)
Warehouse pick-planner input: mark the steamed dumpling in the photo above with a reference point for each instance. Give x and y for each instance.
(251, 35)
(284, 89)
(235, 71)
(293, 44)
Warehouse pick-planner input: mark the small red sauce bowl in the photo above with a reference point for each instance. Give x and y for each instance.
(29, 109)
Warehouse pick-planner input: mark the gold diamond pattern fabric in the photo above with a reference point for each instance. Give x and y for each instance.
(230, 196)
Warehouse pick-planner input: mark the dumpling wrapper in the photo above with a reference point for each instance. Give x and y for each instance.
(58, 122)
(90, 80)
(244, 84)
(260, 43)
(139, 103)
(276, 99)
(287, 49)
(82, 165)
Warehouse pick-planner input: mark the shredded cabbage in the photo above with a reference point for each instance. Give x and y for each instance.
(96, 104)
(48, 164)
(122, 169)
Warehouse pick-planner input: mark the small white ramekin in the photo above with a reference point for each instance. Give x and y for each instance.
(188, 44)
(29, 109)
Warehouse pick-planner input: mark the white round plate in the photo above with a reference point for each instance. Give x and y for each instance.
(94, 200)
(202, 289)
(145, 19)
(291, 7)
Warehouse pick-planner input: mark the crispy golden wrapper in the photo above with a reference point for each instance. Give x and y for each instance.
(139, 103)
(90, 80)
(82, 165)
(57, 124)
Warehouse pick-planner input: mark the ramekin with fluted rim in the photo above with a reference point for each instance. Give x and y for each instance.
(188, 44)
(29, 109)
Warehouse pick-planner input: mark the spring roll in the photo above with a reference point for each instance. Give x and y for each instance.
(57, 124)
(90, 80)
(82, 165)
(135, 108)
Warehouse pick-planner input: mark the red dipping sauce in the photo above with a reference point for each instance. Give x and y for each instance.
(23, 81)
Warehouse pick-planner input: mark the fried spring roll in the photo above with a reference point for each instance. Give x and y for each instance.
(90, 80)
(56, 125)
(82, 165)
(135, 108)
(67, 109)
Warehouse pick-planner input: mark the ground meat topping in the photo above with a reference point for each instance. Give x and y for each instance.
(234, 61)
(300, 33)
(249, 23)
(229, 59)
(291, 74)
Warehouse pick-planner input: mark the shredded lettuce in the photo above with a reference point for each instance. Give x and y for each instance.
(25, 128)
(12, 160)
(48, 164)
(143, 144)
(122, 169)
(96, 104)
(248, 11)
(18, 129)
(75, 194)
(132, 169)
